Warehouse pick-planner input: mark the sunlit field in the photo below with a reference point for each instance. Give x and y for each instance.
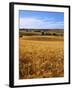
(41, 57)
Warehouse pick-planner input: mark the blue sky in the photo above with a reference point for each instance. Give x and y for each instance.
(41, 19)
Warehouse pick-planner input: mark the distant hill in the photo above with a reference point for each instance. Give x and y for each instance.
(39, 30)
(49, 32)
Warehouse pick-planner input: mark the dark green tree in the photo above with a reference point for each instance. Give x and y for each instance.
(42, 33)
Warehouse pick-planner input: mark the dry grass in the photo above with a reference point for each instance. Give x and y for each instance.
(41, 58)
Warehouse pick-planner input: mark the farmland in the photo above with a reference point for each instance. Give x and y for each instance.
(41, 54)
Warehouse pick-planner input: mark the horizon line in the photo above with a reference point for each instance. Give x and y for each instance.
(43, 28)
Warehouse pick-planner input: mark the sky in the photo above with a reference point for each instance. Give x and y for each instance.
(41, 19)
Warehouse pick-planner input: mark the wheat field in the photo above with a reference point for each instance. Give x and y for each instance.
(41, 57)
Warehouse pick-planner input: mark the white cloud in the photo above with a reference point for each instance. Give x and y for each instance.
(29, 22)
(32, 22)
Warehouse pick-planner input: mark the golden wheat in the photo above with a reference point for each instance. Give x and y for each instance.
(40, 58)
